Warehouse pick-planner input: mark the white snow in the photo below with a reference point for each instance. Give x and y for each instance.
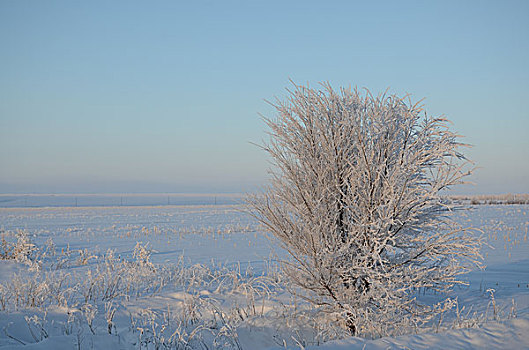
(225, 281)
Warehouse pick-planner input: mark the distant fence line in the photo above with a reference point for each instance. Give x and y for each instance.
(89, 200)
(112, 200)
(509, 198)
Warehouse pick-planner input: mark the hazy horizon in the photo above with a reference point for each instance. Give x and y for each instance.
(125, 97)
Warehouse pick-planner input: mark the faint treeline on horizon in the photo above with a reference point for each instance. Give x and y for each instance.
(112, 200)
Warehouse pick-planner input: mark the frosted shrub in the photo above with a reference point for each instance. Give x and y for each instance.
(142, 256)
(355, 199)
(22, 251)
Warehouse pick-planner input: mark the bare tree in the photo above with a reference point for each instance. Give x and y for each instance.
(355, 199)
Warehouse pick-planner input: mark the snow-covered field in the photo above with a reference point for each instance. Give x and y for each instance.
(130, 277)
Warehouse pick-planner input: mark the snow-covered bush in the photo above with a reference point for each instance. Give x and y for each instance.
(355, 200)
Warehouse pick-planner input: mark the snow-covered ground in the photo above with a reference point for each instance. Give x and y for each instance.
(130, 277)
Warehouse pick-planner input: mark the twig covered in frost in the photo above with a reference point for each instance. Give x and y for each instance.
(110, 311)
(38, 323)
(89, 312)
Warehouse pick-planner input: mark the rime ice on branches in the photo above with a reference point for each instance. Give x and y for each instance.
(355, 199)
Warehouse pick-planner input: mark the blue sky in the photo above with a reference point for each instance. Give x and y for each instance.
(125, 96)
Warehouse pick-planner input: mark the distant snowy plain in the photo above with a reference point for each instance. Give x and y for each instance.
(205, 276)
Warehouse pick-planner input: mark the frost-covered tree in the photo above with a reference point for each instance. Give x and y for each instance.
(355, 199)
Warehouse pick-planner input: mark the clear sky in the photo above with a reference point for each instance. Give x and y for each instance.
(165, 96)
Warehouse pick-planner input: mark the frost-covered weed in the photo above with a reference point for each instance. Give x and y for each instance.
(168, 331)
(85, 256)
(36, 290)
(36, 326)
(23, 250)
(115, 277)
(89, 312)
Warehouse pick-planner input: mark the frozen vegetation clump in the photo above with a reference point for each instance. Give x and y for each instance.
(22, 250)
(355, 200)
